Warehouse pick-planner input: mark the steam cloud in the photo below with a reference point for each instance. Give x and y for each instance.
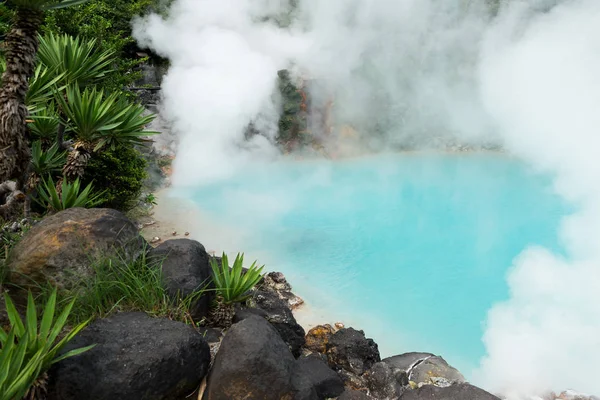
(409, 71)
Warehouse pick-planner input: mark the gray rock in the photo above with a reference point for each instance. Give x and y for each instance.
(281, 317)
(423, 368)
(350, 394)
(462, 391)
(136, 357)
(62, 248)
(348, 349)
(313, 374)
(382, 383)
(186, 268)
(252, 359)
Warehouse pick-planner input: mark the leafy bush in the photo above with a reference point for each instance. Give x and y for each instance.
(118, 285)
(46, 162)
(28, 350)
(120, 173)
(70, 195)
(233, 284)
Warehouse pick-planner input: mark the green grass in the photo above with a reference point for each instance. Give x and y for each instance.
(129, 286)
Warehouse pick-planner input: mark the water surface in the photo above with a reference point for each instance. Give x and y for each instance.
(411, 248)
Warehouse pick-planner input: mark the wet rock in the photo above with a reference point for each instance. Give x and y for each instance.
(186, 268)
(281, 317)
(312, 373)
(462, 391)
(317, 338)
(382, 383)
(62, 248)
(136, 357)
(348, 349)
(424, 368)
(253, 359)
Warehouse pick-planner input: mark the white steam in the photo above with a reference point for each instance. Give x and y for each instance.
(407, 72)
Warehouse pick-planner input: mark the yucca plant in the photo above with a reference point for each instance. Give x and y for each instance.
(97, 120)
(42, 87)
(44, 123)
(44, 162)
(233, 285)
(77, 61)
(70, 195)
(29, 348)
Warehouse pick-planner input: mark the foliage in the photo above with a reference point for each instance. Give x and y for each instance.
(119, 285)
(108, 21)
(70, 195)
(28, 349)
(77, 61)
(233, 283)
(46, 162)
(103, 120)
(44, 123)
(120, 172)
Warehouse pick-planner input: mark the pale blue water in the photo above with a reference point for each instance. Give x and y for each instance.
(414, 249)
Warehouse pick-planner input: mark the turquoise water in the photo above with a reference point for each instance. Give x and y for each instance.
(413, 249)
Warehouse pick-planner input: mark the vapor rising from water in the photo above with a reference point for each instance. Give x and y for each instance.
(407, 72)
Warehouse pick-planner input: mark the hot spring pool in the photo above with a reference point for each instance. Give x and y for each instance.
(411, 248)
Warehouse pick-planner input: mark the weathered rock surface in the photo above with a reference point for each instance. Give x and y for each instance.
(136, 357)
(462, 391)
(276, 282)
(424, 368)
(348, 349)
(252, 362)
(280, 316)
(382, 383)
(62, 248)
(317, 338)
(186, 268)
(350, 394)
(312, 373)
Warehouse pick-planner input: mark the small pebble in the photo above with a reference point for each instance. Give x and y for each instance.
(174, 233)
(339, 325)
(187, 234)
(155, 239)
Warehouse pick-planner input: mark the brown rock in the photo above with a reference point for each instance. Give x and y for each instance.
(62, 248)
(318, 337)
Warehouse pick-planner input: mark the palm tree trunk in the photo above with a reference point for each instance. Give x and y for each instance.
(21, 47)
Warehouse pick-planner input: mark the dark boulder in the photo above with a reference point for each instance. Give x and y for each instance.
(348, 349)
(462, 391)
(186, 268)
(281, 317)
(62, 248)
(382, 383)
(135, 357)
(252, 362)
(312, 373)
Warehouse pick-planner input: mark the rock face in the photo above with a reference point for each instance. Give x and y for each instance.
(252, 362)
(61, 248)
(280, 316)
(312, 373)
(136, 357)
(348, 349)
(382, 383)
(462, 391)
(186, 268)
(318, 337)
(424, 368)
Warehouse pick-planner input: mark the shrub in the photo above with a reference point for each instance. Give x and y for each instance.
(28, 350)
(70, 195)
(120, 172)
(233, 284)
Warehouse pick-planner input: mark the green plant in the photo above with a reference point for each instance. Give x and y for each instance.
(150, 199)
(120, 285)
(46, 162)
(70, 195)
(44, 123)
(28, 349)
(233, 284)
(75, 60)
(120, 173)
